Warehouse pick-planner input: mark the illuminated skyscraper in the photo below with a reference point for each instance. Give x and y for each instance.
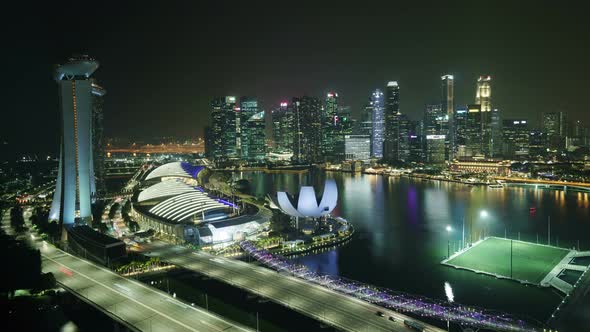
(283, 128)
(252, 132)
(434, 120)
(448, 108)
(483, 97)
(473, 133)
(308, 123)
(223, 133)
(555, 126)
(378, 125)
(515, 138)
(392, 113)
(330, 127)
(98, 139)
(495, 148)
(460, 132)
(75, 185)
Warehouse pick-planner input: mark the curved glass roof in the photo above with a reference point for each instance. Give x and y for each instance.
(166, 188)
(183, 206)
(180, 169)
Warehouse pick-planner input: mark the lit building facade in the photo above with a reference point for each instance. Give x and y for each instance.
(483, 166)
(224, 129)
(537, 144)
(555, 126)
(75, 181)
(392, 118)
(473, 132)
(483, 98)
(495, 148)
(378, 123)
(283, 126)
(434, 120)
(483, 95)
(357, 147)
(98, 145)
(448, 109)
(515, 138)
(330, 127)
(308, 125)
(460, 132)
(252, 131)
(435, 149)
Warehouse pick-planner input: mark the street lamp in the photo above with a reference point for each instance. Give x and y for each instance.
(449, 229)
(484, 214)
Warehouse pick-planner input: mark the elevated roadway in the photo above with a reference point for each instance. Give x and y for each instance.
(135, 305)
(325, 305)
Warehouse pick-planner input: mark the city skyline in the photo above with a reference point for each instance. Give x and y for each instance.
(185, 62)
(257, 166)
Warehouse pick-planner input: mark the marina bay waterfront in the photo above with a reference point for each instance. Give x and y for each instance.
(402, 235)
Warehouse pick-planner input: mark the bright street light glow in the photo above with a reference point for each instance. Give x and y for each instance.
(483, 213)
(449, 228)
(449, 292)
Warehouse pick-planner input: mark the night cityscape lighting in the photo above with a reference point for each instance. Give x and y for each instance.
(263, 166)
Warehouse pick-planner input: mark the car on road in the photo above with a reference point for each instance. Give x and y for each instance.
(392, 319)
(380, 313)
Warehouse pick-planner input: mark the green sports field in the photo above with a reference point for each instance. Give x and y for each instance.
(530, 262)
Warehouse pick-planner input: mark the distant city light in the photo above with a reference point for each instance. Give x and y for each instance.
(483, 214)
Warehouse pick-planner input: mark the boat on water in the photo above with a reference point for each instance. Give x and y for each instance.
(497, 185)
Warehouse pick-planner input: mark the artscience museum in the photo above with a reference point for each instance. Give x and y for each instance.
(305, 204)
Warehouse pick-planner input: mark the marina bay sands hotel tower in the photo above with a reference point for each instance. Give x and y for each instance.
(75, 186)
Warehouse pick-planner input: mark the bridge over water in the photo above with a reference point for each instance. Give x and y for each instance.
(344, 312)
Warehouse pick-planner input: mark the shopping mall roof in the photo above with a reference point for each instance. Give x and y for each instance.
(175, 169)
(171, 187)
(186, 205)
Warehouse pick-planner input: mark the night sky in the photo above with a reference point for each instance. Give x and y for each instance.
(162, 63)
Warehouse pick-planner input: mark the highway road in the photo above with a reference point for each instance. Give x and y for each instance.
(341, 311)
(138, 306)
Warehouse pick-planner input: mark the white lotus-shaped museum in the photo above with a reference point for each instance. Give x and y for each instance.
(307, 204)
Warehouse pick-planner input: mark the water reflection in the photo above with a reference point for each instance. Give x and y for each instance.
(401, 235)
